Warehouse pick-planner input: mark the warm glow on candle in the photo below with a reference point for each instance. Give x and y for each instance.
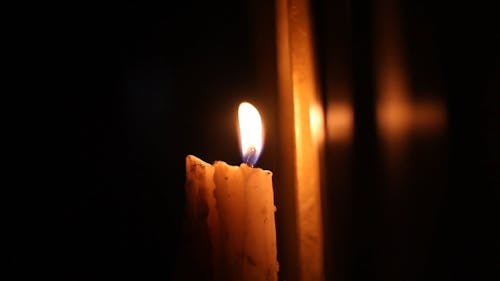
(251, 133)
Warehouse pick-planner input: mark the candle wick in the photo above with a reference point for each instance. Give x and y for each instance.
(250, 157)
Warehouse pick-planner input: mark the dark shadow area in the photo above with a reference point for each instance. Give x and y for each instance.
(414, 197)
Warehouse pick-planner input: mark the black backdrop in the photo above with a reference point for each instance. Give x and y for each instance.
(425, 213)
(146, 84)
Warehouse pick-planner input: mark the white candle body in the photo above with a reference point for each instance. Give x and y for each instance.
(202, 221)
(242, 231)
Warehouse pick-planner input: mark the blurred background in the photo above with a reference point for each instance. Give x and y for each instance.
(410, 95)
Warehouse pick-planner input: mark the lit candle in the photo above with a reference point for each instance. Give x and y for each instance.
(232, 209)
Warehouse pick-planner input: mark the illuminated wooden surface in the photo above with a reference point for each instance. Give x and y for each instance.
(302, 137)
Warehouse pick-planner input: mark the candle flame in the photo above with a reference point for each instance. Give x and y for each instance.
(251, 133)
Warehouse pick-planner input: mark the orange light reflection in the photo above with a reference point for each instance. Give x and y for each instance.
(340, 122)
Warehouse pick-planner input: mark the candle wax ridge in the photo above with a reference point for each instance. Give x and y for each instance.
(233, 207)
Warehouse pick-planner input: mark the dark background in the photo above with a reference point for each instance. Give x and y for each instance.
(144, 85)
(425, 213)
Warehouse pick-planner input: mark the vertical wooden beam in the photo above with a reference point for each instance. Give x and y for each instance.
(302, 135)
